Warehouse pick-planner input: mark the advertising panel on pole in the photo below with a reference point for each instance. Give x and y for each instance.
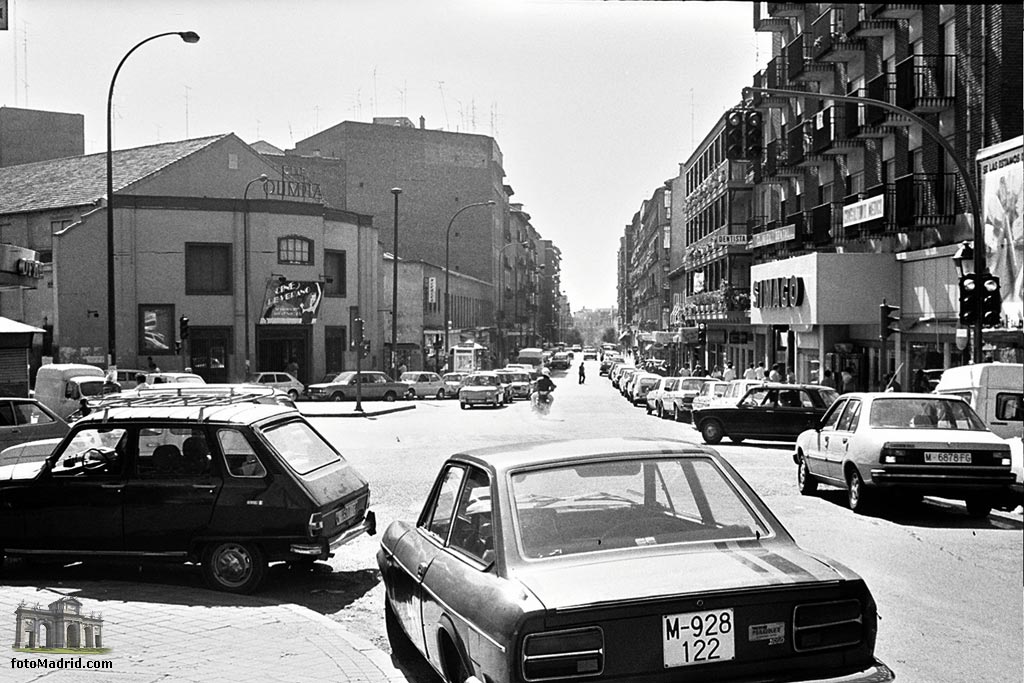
(292, 302)
(1001, 172)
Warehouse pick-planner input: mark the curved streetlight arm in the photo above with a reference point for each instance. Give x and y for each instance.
(447, 242)
(972, 194)
(188, 37)
(245, 256)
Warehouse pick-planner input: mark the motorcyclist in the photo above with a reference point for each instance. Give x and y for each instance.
(544, 387)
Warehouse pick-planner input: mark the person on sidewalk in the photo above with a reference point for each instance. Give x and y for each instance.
(583, 373)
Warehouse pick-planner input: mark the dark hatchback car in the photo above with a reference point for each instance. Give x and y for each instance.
(231, 485)
(771, 411)
(617, 560)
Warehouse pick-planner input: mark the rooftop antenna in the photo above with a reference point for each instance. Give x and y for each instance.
(440, 86)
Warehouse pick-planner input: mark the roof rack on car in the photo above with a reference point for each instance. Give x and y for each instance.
(182, 396)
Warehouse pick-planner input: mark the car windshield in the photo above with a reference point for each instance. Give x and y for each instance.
(254, 377)
(453, 377)
(481, 381)
(411, 376)
(302, 448)
(924, 413)
(607, 505)
(340, 378)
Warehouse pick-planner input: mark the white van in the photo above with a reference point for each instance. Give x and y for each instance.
(994, 390)
(531, 356)
(61, 386)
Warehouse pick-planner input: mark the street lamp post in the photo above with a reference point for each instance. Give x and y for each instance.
(245, 247)
(447, 241)
(394, 292)
(188, 37)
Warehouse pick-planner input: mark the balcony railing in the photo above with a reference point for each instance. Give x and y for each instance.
(825, 219)
(830, 132)
(926, 83)
(795, 144)
(763, 21)
(926, 199)
(858, 21)
(830, 41)
(799, 63)
(892, 11)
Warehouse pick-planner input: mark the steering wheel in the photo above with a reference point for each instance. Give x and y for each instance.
(104, 457)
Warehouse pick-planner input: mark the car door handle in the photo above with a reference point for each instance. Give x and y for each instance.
(112, 487)
(208, 487)
(421, 569)
(826, 442)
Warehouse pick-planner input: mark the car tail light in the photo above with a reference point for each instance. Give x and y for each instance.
(315, 524)
(824, 625)
(563, 654)
(893, 456)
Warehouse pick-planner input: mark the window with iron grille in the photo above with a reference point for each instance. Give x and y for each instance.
(295, 250)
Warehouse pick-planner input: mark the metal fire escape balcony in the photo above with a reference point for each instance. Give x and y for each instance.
(763, 21)
(894, 11)
(926, 199)
(800, 139)
(799, 64)
(926, 83)
(830, 42)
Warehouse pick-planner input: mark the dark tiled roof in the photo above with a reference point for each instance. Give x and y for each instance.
(77, 181)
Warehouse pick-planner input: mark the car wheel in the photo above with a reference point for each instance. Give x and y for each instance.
(463, 405)
(712, 431)
(978, 508)
(234, 567)
(804, 479)
(676, 416)
(661, 411)
(410, 395)
(390, 397)
(440, 394)
(647, 407)
(337, 396)
(293, 395)
(856, 492)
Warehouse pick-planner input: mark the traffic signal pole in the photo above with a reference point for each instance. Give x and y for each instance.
(972, 193)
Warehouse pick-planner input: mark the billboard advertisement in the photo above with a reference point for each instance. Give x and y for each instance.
(292, 302)
(1001, 171)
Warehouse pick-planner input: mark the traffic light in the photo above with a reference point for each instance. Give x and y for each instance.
(991, 300)
(753, 134)
(889, 320)
(357, 332)
(364, 347)
(702, 334)
(968, 299)
(183, 328)
(734, 134)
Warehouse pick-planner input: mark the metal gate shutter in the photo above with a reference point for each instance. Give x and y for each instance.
(13, 372)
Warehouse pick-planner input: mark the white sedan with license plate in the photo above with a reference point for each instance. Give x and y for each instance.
(905, 444)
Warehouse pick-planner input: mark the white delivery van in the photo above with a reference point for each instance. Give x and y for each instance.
(531, 356)
(61, 386)
(994, 390)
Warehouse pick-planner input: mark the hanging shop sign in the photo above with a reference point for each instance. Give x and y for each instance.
(292, 302)
(778, 292)
(783, 234)
(863, 211)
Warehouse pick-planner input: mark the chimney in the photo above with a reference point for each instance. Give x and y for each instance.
(423, 123)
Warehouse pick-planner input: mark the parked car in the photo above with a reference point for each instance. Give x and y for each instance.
(26, 419)
(231, 486)
(656, 397)
(905, 443)
(481, 388)
(421, 383)
(607, 362)
(373, 386)
(773, 411)
(589, 353)
(30, 451)
(736, 390)
(643, 383)
(681, 405)
(617, 560)
(157, 378)
(624, 376)
(452, 382)
(709, 391)
(519, 380)
(128, 378)
(279, 380)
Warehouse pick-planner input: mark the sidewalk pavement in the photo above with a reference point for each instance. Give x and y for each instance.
(160, 634)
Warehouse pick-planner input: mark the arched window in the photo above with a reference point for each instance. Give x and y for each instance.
(295, 250)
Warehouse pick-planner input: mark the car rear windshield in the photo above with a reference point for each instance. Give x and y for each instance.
(608, 505)
(301, 447)
(480, 381)
(924, 413)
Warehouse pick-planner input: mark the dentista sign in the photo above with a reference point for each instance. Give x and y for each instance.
(778, 292)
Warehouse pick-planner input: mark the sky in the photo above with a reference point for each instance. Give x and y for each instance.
(593, 103)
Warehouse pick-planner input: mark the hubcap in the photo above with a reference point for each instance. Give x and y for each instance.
(233, 564)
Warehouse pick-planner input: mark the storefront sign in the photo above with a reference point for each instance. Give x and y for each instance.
(731, 239)
(778, 292)
(293, 302)
(431, 290)
(863, 211)
(783, 234)
(294, 189)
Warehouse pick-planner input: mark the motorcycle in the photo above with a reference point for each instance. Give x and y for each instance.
(541, 402)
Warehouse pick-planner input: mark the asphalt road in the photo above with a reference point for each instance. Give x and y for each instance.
(948, 588)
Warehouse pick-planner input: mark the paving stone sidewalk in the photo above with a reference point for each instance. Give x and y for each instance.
(158, 635)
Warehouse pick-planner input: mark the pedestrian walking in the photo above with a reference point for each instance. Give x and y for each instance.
(583, 373)
(729, 374)
(759, 371)
(750, 372)
(776, 373)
